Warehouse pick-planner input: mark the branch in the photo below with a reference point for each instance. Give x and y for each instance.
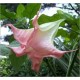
(74, 9)
(65, 8)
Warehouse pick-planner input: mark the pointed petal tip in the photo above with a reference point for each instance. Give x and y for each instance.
(58, 53)
(70, 51)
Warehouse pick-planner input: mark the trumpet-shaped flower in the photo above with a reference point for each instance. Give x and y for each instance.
(37, 42)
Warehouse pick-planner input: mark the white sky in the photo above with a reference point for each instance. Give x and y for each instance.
(50, 11)
(5, 31)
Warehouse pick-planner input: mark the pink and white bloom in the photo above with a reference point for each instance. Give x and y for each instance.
(37, 42)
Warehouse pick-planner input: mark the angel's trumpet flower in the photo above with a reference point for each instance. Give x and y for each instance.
(37, 42)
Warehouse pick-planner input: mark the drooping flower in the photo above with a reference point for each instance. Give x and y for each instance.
(37, 42)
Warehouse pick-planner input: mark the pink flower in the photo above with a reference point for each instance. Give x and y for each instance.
(37, 42)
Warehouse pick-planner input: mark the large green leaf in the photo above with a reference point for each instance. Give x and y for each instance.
(31, 9)
(17, 61)
(62, 33)
(4, 50)
(21, 23)
(2, 8)
(69, 18)
(74, 27)
(14, 44)
(59, 15)
(6, 13)
(10, 15)
(2, 17)
(74, 32)
(20, 10)
(44, 18)
(78, 22)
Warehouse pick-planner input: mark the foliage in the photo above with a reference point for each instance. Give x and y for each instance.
(68, 65)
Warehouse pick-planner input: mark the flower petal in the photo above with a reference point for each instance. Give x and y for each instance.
(20, 35)
(19, 51)
(36, 59)
(41, 38)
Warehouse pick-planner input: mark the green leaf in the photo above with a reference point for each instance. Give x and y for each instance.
(10, 15)
(69, 18)
(62, 33)
(6, 13)
(4, 50)
(2, 17)
(21, 23)
(5, 72)
(14, 44)
(74, 27)
(2, 11)
(31, 9)
(74, 31)
(44, 18)
(2, 8)
(67, 39)
(17, 61)
(72, 60)
(20, 10)
(78, 22)
(59, 15)
(51, 66)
